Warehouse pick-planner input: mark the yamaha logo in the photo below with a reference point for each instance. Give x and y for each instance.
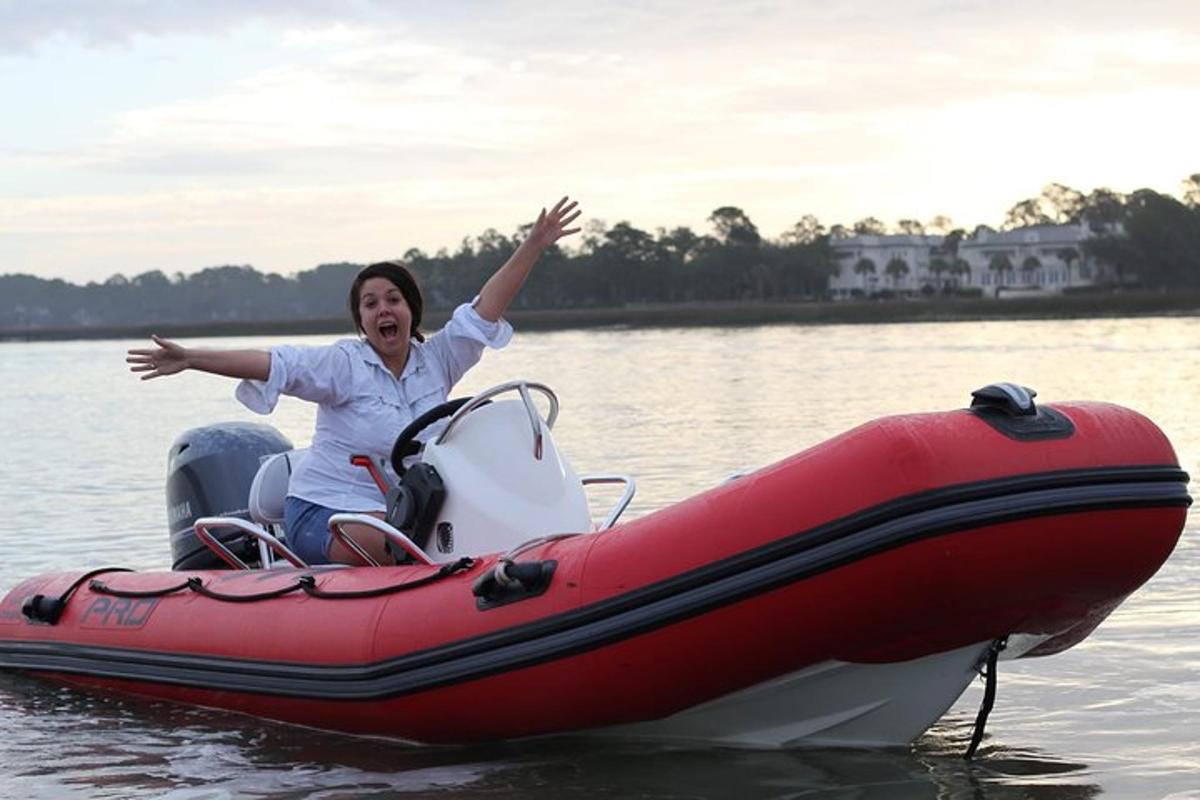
(179, 511)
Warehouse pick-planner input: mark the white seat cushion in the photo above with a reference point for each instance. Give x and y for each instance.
(270, 486)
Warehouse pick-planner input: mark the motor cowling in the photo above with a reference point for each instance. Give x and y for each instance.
(209, 473)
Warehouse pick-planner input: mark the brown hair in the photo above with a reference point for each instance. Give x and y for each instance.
(402, 279)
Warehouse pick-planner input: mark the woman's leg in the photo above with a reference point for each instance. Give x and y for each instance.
(307, 526)
(369, 539)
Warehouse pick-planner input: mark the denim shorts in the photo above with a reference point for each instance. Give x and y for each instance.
(307, 526)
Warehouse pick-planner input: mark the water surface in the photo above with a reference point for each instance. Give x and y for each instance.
(82, 465)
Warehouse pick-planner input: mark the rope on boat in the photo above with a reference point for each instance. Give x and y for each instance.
(987, 670)
(308, 583)
(305, 583)
(501, 572)
(40, 608)
(196, 585)
(99, 587)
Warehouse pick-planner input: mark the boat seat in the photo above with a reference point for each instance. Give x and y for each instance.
(268, 491)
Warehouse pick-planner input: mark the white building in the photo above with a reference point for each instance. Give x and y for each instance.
(1041, 259)
(870, 264)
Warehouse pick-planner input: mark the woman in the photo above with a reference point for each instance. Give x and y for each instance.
(368, 389)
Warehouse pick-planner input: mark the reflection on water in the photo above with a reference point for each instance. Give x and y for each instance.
(83, 459)
(108, 745)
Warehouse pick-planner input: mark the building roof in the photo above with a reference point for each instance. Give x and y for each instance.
(1033, 234)
(886, 240)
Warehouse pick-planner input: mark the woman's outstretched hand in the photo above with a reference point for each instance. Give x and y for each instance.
(552, 225)
(166, 359)
(502, 287)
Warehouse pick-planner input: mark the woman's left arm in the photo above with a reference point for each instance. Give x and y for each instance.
(503, 286)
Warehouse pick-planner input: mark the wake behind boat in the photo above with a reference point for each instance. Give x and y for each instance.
(846, 595)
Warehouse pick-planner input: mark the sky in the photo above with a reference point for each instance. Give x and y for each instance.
(142, 135)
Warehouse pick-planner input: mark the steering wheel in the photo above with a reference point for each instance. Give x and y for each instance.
(406, 443)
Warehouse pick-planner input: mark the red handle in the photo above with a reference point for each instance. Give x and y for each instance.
(376, 475)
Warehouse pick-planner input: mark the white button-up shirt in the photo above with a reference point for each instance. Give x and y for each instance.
(362, 406)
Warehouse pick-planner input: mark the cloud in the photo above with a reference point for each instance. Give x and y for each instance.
(23, 25)
(185, 229)
(631, 25)
(380, 106)
(366, 125)
(867, 77)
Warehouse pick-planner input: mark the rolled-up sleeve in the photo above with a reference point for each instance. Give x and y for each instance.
(466, 322)
(458, 346)
(317, 374)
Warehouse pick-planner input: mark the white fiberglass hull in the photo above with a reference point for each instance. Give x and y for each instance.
(833, 704)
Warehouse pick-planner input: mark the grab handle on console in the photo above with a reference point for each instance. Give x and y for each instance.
(522, 387)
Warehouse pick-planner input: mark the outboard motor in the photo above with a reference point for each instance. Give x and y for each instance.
(209, 472)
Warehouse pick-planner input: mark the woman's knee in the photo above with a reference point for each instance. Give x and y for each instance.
(306, 527)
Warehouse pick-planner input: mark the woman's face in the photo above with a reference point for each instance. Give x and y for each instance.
(386, 318)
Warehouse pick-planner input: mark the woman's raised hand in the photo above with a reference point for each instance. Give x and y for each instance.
(166, 359)
(552, 225)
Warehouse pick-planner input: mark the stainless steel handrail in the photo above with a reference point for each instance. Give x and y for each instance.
(394, 536)
(266, 542)
(621, 504)
(535, 419)
(522, 387)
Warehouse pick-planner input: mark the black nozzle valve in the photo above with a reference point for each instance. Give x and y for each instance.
(40, 608)
(507, 582)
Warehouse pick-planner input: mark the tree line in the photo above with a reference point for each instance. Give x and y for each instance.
(1153, 235)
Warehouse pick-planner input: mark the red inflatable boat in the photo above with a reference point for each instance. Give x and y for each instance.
(846, 595)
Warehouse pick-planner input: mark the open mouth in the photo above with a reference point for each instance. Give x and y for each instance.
(390, 331)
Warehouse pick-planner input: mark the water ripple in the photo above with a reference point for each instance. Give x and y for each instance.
(83, 461)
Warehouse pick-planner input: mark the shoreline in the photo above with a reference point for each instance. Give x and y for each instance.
(673, 315)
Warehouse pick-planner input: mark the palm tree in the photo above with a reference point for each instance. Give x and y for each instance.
(896, 268)
(1000, 264)
(863, 267)
(1027, 268)
(958, 268)
(939, 266)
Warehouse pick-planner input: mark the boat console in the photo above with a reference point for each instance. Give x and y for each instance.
(489, 481)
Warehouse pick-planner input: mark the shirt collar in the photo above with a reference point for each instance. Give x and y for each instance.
(415, 363)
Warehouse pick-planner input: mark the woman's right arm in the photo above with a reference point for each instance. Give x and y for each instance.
(170, 357)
